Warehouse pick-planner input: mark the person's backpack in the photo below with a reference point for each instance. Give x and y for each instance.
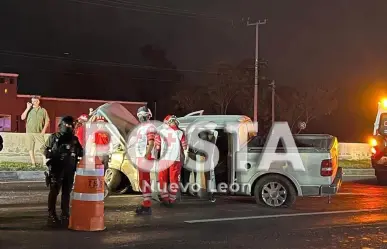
(1, 143)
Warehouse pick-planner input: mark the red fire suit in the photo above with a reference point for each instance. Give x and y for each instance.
(80, 134)
(145, 134)
(172, 149)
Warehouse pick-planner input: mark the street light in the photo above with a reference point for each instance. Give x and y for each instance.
(256, 24)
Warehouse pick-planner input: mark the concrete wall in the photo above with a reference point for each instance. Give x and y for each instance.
(15, 149)
(354, 151)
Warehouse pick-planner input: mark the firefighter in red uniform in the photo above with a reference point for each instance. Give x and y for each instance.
(173, 148)
(80, 129)
(102, 138)
(145, 157)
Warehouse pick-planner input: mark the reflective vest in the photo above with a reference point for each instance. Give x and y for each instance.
(142, 140)
(171, 147)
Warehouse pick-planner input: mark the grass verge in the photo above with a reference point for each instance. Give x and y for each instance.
(17, 166)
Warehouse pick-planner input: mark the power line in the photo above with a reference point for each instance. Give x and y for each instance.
(120, 4)
(164, 8)
(99, 74)
(99, 63)
(91, 74)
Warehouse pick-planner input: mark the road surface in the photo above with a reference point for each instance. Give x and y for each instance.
(356, 218)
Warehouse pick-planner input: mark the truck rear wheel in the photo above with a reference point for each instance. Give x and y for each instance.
(274, 191)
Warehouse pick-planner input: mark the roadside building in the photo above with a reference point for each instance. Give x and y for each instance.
(13, 104)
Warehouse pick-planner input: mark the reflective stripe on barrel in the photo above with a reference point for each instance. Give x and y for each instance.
(88, 197)
(90, 172)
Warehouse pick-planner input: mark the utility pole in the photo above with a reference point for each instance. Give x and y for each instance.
(272, 84)
(256, 24)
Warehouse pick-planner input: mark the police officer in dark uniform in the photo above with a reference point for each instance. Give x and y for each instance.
(1, 143)
(63, 152)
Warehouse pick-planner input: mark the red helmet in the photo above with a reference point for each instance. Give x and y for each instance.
(171, 119)
(83, 118)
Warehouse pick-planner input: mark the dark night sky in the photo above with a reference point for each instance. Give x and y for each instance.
(332, 43)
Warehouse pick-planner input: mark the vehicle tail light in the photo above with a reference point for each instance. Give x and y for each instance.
(326, 167)
(376, 154)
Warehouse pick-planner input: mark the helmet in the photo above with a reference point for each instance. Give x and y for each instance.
(144, 114)
(67, 120)
(83, 118)
(171, 119)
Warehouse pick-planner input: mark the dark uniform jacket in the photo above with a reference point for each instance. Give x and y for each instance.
(62, 150)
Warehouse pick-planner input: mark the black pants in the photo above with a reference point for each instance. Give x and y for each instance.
(105, 161)
(64, 181)
(185, 176)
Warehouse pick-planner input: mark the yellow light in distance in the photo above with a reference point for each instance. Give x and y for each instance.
(384, 103)
(373, 142)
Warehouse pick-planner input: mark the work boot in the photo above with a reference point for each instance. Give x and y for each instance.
(53, 221)
(64, 221)
(141, 210)
(212, 198)
(172, 204)
(165, 203)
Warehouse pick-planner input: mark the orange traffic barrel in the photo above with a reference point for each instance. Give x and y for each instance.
(87, 205)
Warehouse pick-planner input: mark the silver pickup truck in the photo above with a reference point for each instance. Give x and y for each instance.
(281, 184)
(276, 187)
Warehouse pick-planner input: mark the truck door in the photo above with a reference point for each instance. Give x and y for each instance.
(244, 162)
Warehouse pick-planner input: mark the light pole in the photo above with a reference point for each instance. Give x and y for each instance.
(256, 24)
(272, 84)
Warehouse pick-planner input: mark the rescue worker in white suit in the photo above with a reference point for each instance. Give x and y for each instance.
(173, 146)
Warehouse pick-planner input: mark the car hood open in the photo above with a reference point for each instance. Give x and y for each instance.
(122, 120)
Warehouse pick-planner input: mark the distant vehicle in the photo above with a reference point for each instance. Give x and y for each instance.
(378, 144)
(277, 187)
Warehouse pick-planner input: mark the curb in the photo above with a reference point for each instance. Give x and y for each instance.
(39, 175)
(359, 172)
(22, 175)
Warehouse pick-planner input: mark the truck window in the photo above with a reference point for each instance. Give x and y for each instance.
(260, 141)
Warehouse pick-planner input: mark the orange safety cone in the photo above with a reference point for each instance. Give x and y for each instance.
(87, 206)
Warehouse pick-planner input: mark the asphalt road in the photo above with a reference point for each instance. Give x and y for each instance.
(356, 218)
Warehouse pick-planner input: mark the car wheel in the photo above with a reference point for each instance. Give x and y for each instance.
(274, 191)
(112, 179)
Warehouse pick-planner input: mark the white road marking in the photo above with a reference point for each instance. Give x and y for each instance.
(280, 215)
